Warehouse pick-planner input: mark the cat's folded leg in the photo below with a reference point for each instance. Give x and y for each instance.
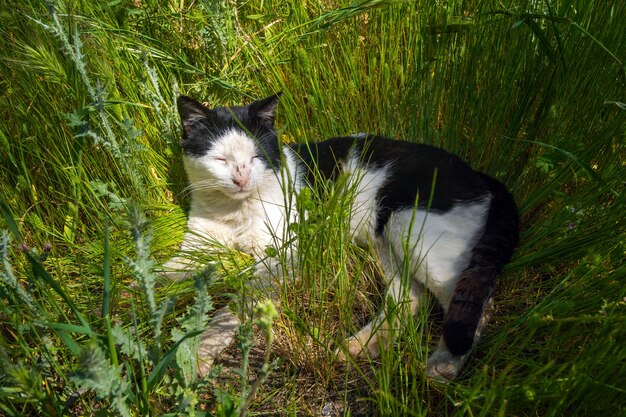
(442, 365)
(219, 335)
(376, 335)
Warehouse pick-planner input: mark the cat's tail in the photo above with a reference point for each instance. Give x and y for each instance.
(474, 288)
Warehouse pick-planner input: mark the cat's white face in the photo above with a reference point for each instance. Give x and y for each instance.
(232, 165)
(229, 150)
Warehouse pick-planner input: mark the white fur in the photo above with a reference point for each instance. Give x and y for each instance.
(236, 201)
(246, 218)
(440, 243)
(364, 185)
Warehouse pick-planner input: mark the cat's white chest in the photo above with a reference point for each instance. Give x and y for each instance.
(241, 226)
(248, 225)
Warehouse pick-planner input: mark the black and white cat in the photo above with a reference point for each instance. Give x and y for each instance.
(460, 226)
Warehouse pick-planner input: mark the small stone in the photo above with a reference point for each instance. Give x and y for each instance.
(328, 409)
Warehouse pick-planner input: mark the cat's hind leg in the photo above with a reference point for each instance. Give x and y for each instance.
(376, 335)
(405, 298)
(442, 364)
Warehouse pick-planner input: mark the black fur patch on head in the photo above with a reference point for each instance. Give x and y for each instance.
(202, 125)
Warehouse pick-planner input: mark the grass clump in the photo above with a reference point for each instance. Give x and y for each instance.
(529, 92)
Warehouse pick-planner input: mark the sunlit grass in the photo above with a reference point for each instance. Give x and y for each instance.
(532, 94)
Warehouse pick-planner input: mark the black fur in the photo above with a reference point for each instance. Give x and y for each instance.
(432, 177)
(323, 159)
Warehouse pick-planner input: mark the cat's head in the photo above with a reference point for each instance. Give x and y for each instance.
(229, 149)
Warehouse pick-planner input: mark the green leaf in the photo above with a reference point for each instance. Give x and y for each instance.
(106, 271)
(40, 272)
(8, 217)
(69, 341)
(544, 43)
(517, 23)
(592, 174)
(66, 327)
(159, 370)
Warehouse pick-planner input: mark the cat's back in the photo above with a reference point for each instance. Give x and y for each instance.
(430, 176)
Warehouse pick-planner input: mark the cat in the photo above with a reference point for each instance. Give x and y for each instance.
(413, 204)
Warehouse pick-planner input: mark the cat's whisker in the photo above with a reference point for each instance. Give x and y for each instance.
(203, 188)
(203, 185)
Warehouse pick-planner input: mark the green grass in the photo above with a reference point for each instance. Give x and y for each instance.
(532, 94)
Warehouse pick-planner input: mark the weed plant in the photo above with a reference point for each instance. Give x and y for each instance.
(93, 202)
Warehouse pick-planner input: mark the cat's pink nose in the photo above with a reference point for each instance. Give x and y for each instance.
(240, 181)
(241, 177)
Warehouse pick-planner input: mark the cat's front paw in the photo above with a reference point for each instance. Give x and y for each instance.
(176, 269)
(205, 365)
(351, 349)
(219, 335)
(175, 276)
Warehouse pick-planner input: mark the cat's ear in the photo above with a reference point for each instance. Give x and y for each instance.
(265, 109)
(190, 112)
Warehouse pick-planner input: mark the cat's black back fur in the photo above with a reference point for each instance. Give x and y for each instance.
(431, 177)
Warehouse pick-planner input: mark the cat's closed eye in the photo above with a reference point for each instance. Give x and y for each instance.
(221, 159)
